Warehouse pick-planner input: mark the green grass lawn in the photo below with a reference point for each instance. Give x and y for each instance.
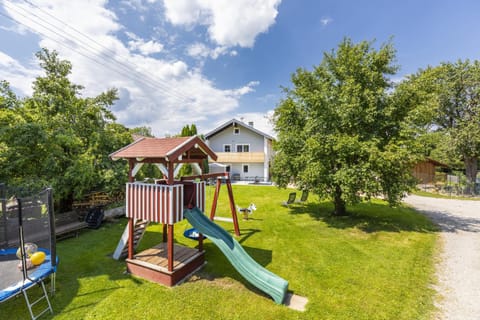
(375, 264)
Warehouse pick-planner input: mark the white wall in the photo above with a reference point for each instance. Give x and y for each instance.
(245, 136)
(254, 170)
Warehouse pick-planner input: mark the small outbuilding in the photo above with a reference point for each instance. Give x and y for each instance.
(424, 171)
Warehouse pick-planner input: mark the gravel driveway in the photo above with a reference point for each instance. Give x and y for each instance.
(458, 270)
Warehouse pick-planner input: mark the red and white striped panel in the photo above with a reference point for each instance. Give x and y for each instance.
(200, 195)
(154, 202)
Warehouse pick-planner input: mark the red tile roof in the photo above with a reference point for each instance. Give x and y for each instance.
(159, 148)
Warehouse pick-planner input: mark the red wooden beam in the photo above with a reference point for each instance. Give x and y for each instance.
(131, 227)
(232, 208)
(215, 199)
(232, 204)
(170, 247)
(170, 181)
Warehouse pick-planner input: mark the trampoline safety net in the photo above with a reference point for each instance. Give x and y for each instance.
(38, 220)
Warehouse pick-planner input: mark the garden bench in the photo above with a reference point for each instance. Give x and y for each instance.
(69, 224)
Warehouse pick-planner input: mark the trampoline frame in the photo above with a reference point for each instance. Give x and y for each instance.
(35, 275)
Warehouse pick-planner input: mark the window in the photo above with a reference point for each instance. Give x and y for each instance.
(236, 131)
(245, 168)
(227, 148)
(227, 168)
(243, 148)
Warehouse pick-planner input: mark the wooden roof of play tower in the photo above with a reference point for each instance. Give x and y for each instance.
(160, 150)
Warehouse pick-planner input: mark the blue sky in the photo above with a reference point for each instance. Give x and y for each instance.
(177, 62)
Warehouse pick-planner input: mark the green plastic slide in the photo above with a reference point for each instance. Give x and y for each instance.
(257, 275)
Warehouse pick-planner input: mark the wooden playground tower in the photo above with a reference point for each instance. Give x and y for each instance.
(163, 202)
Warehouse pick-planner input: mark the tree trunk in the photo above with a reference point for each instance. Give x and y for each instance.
(340, 209)
(471, 173)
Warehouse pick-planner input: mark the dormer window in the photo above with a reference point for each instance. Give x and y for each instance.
(236, 130)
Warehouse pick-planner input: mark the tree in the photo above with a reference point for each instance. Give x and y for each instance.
(148, 170)
(187, 131)
(58, 138)
(341, 133)
(8, 99)
(457, 89)
(21, 142)
(142, 131)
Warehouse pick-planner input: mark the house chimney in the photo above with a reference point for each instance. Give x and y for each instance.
(250, 123)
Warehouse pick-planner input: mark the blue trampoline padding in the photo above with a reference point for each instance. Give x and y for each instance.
(36, 274)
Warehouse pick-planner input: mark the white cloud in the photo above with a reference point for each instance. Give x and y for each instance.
(218, 51)
(184, 12)
(230, 23)
(398, 80)
(245, 89)
(200, 50)
(133, 4)
(162, 94)
(144, 47)
(15, 28)
(16, 74)
(325, 21)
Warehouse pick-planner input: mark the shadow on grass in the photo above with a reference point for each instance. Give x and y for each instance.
(449, 222)
(369, 217)
(100, 293)
(219, 267)
(246, 233)
(78, 268)
(215, 256)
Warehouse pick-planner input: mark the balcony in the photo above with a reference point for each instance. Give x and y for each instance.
(240, 157)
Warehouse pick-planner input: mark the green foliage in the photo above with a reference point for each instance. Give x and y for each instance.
(57, 138)
(341, 133)
(142, 131)
(148, 170)
(187, 131)
(8, 99)
(452, 90)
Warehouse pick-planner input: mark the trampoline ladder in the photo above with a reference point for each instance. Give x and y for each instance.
(44, 296)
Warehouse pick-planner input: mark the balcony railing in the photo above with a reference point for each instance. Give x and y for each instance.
(240, 157)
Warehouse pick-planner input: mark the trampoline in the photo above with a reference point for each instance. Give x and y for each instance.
(27, 220)
(11, 277)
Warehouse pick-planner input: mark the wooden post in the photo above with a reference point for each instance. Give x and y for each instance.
(200, 242)
(215, 199)
(164, 233)
(131, 222)
(170, 168)
(170, 247)
(170, 181)
(232, 208)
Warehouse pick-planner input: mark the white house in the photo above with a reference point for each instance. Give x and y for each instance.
(245, 151)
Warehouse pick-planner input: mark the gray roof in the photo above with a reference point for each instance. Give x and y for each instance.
(239, 123)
